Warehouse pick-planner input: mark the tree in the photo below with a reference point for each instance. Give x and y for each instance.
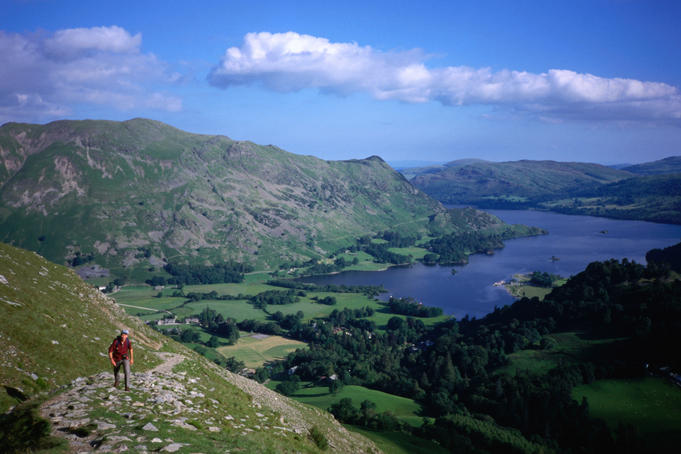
(213, 342)
(335, 386)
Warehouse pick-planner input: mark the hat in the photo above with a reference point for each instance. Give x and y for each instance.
(125, 331)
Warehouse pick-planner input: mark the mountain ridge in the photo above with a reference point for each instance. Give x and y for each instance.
(120, 190)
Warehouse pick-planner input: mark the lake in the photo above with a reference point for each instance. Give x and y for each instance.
(575, 240)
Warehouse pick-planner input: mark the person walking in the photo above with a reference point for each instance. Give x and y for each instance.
(120, 354)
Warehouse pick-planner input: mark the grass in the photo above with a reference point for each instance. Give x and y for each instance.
(399, 442)
(236, 309)
(522, 287)
(23, 430)
(143, 297)
(319, 396)
(256, 351)
(651, 405)
(47, 309)
(416, 252)
(567, 348)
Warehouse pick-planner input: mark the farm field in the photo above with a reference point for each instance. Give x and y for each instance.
(652, 405)
(319, 396)
(257, 349)
(142, 301)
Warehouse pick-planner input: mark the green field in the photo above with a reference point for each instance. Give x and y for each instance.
(567, 348)
(651, 405)
(141, 301)
(255, 351)
(520, 287)
(416, 252)
(399, 442)
(405, 409)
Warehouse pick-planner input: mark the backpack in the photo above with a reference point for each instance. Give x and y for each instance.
(116, 344)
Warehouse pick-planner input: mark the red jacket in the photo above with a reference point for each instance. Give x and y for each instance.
(120, 348)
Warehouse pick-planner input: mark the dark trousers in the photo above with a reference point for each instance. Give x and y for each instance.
(126, 370)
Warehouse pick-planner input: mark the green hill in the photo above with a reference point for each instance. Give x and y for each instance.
(654, 198)
(513, 183)
(138, 193)
(671, 164)
(55, 332)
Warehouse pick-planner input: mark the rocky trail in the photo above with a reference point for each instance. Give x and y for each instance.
(95, 417)
(166, 411)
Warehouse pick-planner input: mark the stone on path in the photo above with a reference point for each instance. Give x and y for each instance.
(150, 427)
(173, 447)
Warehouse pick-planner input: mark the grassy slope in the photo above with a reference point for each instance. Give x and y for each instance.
(567, 348)
(651, 405)
(653, 198)
(57, 327)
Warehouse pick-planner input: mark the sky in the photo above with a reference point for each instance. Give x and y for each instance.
(428, 81)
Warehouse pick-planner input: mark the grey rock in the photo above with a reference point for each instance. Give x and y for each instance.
(150, 427)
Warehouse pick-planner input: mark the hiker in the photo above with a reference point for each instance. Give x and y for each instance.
(120, 354)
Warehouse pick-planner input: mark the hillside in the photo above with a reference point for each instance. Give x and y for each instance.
(654, 198)
(138, 193)
(55, 332)
(671, 164)
(514, 183)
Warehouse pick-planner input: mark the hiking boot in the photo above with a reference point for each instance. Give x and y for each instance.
(116, 384)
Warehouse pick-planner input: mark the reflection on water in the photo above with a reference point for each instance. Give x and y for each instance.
(574, 240)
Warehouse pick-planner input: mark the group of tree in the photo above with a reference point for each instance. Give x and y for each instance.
(365, 416)
(213, 322)
(543, 279)
(411, 307)
(187, 274)
(451, 368)
(276, 297)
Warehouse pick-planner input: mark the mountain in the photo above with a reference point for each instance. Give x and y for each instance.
(495, 184)
(57, 380)
(671, 164)
(136, 194)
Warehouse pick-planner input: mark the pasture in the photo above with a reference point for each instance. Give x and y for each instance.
(319, 396)
(399, 442)
(652, 405)
(566, 348)
(257, 349)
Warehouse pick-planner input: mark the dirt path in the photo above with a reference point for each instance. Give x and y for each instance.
(170, 360)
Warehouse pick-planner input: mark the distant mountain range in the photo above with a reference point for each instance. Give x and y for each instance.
(136, 194)
(650, 191)
(668, 165)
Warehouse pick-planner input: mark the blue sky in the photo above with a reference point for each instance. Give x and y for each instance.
(595, 81)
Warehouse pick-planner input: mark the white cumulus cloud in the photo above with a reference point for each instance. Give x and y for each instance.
(291, 62)
(44, 75)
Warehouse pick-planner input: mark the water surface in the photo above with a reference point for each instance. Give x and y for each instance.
(575, 240)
